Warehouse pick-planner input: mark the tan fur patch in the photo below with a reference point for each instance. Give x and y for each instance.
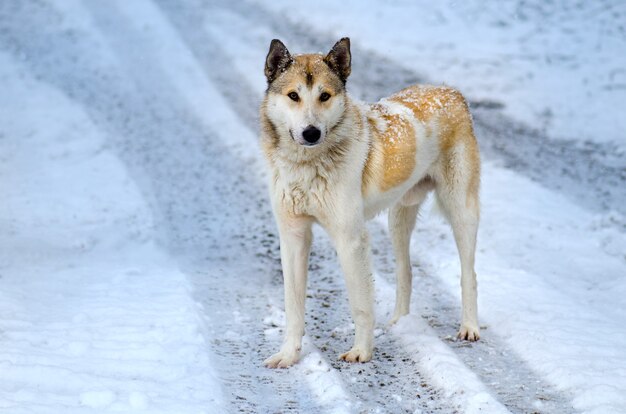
(447, 107)
(398, 146)
(429, 101)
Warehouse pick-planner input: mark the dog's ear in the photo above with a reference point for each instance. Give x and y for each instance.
(339, 59)
(278, 59)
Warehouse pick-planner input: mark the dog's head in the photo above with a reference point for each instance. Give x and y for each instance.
(306, 93)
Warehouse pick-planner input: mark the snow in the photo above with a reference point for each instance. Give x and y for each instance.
(324, 383)
(442, 365)
(97, 399)
(100, 313)
(93, 313)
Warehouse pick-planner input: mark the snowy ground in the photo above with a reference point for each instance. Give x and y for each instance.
(139, 260)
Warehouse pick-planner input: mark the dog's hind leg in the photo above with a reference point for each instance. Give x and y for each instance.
(402, 218)
(295, 244)
(457, 194)
(401, 223)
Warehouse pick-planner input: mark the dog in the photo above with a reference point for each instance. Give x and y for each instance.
(338, 162)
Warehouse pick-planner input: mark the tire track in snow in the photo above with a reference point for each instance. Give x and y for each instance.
(509, 377)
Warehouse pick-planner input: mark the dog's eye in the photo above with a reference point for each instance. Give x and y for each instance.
(293, 96)
(324, 96)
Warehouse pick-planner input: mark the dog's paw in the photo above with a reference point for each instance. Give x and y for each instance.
(469, 333)
(356, 355)
(394, 319)
(282, 359)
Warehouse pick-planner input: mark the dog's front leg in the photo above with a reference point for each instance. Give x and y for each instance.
(353, 249)
(295, 243)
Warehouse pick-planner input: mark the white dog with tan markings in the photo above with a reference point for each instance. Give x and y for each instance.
(338, 162)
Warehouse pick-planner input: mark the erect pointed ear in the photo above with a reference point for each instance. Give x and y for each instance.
(339, 59)
(278, 59)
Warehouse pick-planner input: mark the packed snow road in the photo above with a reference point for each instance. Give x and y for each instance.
(156, 106)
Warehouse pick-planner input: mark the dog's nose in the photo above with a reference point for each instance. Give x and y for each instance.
(311, 134)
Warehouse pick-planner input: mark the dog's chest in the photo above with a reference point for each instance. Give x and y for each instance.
(305, 190)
